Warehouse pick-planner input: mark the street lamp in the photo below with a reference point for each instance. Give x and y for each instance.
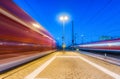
(63, 19)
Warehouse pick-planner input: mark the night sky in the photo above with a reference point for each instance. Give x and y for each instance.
(92, 18)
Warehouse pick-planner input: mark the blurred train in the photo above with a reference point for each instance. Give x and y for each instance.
(19, 32)
(20, 35)
(110, 46)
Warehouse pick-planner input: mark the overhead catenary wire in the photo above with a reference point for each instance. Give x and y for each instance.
(99, 11)
(32, 9)
(36, 14)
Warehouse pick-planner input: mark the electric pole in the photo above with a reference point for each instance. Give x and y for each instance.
(73, 34)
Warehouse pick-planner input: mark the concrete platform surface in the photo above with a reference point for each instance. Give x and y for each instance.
(65, 65)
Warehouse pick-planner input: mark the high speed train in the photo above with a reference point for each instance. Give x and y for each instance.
(22, 39)
(112, 46)
(19, 32)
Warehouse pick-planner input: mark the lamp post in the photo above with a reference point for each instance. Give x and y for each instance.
(63, 19)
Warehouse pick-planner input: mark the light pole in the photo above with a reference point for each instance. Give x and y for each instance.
(63, 19)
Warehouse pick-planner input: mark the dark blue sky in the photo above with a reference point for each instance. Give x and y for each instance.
(92, 18)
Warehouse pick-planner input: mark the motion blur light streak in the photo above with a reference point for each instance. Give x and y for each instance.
(36, 25)
(109, 46)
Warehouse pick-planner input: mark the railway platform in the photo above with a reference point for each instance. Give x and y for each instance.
(64, 65)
